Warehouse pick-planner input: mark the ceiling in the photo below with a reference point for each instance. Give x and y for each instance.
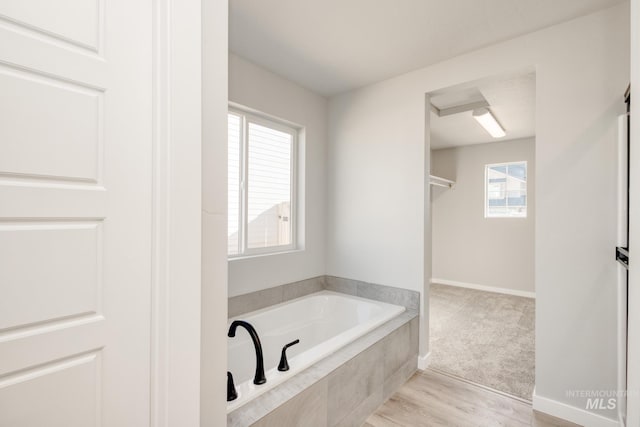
(511, 99)
(331, 46)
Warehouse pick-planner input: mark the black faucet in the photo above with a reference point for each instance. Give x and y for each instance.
(259, 378)
(284, 364)
(232, 394)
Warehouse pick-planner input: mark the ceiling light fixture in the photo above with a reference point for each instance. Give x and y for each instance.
(488, 122)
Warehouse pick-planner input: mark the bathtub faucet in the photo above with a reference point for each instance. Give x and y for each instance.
(259, 378)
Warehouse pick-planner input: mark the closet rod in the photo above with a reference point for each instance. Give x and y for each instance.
(441, 182)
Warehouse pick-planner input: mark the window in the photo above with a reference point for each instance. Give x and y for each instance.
(261, 168)
(506, 190)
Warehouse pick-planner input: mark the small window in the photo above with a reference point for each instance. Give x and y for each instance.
(262, 176)
(506, 190)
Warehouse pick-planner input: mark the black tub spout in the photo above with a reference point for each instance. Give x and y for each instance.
(259, 378)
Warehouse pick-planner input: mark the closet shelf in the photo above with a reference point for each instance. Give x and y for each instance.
(441, 182)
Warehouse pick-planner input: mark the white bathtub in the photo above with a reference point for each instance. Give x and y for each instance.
(323, 322)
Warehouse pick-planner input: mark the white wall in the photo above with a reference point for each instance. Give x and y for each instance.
(375, 179)
(259, 89)
(494, 252)
(377, 196)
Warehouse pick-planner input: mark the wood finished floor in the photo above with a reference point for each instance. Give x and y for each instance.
(430, 398)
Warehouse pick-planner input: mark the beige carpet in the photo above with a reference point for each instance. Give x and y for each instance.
(483, 337)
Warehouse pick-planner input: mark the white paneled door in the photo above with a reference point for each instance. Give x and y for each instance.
(75, 212)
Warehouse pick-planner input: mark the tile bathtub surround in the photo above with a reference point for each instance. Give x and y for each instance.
(349, 384)
(308, 408)
(390, 294)
(264, 298)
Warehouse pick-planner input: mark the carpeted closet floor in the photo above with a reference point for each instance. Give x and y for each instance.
(483, 337)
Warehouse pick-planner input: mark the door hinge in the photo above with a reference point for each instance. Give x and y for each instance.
(622, 256)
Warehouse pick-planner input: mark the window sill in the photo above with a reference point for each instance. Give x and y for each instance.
(266, 254)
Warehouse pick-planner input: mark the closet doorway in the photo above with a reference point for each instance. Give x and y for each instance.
(482, 295)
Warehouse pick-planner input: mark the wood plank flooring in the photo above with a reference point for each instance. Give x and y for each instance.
(431, 398)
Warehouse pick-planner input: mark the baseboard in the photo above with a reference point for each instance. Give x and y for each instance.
(424, 361)
(484, 288)
(571, 413)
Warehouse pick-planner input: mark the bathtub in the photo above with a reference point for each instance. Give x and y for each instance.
(323, 322)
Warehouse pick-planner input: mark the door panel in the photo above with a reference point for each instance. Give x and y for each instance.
(73, 21)
(67, 140)
(75, 212)
(68, 260)
(68, 393)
